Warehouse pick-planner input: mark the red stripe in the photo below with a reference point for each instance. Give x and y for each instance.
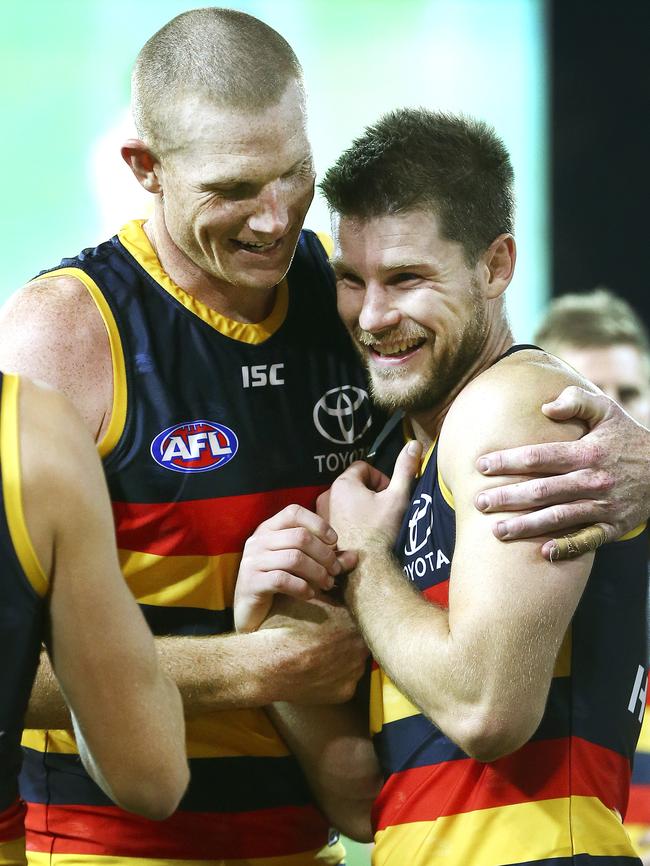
(638, 809)
(12, 822)
(185, 836)
(538, 771)
(438, 593)
(201, 527)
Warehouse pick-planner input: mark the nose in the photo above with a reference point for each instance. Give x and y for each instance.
(271, 214)
(378, 311)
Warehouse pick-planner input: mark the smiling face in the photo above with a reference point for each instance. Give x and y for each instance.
(237, 186)
(416, 311)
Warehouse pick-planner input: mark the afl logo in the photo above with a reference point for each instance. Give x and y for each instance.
(342, 415)
(194, 446)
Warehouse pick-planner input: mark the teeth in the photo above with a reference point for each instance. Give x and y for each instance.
(395, 350)
(253, 246)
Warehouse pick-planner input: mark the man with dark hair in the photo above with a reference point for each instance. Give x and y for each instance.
(509, 690)
(203, 350)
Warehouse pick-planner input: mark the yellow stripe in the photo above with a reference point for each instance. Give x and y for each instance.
(509, 834)
(229, 733)
(447, 495)
(134, 239)
(644, 738)
(118, 412)
(181, 581)
(633, 532)
(387, 703)
(328, 856)
(327, 242)
(13, 853)
(426, 456)
(11, 486)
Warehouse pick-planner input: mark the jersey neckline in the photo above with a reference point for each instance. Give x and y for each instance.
(135, 241)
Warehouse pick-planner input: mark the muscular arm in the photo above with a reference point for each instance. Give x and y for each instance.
(332, 743)
(298, 663)
(125, 710)
(602, 479)
(481, 670)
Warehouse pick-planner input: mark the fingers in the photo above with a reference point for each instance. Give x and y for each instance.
(406, 468)
(575, 402)
(576, 543)
(548, 458)
(296, 516)
(540, 492)
(548, 521)
(347, 559)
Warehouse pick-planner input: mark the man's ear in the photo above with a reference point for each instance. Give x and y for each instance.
(499, 263)
(143, 164)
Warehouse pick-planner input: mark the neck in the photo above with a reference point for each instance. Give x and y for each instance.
(224, 298)
(427, 424)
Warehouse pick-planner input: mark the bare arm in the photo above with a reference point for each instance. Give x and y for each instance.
(52, 331)
(601, 479)
(125, 710)
(481, 670)
(332, 743)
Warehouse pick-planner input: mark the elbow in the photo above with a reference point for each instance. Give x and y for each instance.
(155, 794)
(489, 735)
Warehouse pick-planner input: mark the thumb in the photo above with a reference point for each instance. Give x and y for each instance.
(575, 402)
(406, 468)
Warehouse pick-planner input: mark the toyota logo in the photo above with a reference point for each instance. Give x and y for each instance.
(342, 415)
(419, 526)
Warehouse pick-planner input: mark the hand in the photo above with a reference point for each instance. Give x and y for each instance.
(320, 657)
(291, 553)
(362, 501)
(604, 478)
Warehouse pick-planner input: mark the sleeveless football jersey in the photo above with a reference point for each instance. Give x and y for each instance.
(22, 608)
(637, 818)
(559, 799)
(216, 426)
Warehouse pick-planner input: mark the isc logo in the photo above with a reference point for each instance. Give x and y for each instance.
(194, 446)
(262, 374)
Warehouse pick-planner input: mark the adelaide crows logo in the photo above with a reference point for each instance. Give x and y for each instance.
(194, 446)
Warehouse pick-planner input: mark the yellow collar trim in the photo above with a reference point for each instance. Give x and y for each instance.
(447, 495)
(134, 239)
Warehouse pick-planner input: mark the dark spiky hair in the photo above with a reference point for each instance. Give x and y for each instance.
(455, 166)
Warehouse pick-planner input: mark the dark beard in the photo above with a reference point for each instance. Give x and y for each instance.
(444, 374)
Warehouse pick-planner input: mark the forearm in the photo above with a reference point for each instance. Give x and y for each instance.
(150, 715)
(212, 673)
(467, 677)
(337, 757)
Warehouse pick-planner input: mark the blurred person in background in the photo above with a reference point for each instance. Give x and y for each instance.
(602, 337)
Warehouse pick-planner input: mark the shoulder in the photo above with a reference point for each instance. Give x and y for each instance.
(501, 408)
(52, 330)
(59, 297)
